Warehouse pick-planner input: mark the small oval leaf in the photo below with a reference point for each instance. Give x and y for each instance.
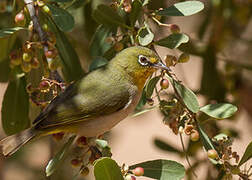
(63, 19)
(59, 157)
(186, 8)
(247, 154)
(15, 107)
(108, 16)
(219, 111)
(151, 84)
(107, 169)
(162, 169)
(145, 36)
(173, 40)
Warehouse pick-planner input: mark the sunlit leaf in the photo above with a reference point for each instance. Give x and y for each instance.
(173, 40)
(145, 36)
(54, 163)
(15, 107)
(219, 111)
(9, 31)
(162, 169)
(188, 97)
(107, 169)
(186, 8)
(108, 16)
(247, 154)
(63, 19)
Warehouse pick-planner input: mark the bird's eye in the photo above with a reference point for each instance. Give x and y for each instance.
(143, 60)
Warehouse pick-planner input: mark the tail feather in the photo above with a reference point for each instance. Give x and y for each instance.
(11, 144)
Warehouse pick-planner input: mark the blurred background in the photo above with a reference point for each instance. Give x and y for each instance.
(219, 70)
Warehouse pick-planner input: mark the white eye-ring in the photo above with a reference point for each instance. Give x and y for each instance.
(143, 60)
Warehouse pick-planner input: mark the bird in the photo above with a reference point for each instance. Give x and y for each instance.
(97, 102)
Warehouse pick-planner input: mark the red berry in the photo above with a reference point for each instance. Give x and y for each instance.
(75, 162)
(174, 28)
(19, 18)
(138, 171)
(164, 83)
(50, 53)
(211, 153)
(82, 141)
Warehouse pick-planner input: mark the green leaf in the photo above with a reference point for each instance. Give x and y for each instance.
(166, 147)
(219, 111)
(135, 12)
(173, 40)
(247, 155)
(15, 107)
(151, 84)
(206, 141)
(69, 59)
(145, 36)
(101, 143)
(142, 101)
(97, 63)
(63, 19)
(143, 111)
(59, 157)
(9, 31)
(4, 70)
(162, 169)
(107, 169)
(188, 97)
(186, 8)
(98, 44)
(108, 16)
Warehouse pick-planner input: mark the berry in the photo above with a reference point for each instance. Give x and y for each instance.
(194, 135)
(46, 9)
(54, 64)
(45, 27)
(26, 67)
(174, 28)
(183, 58)
(164, 83)
(51, 53)
(170, 60)
(44, 85)
(84, 171)
(118, 46)
(75, 162)
(211, 153)
(27, 57)
(82, 141)
(58, 136)
(35, 63)
(15, 58)
(138, 171)
(20, 18)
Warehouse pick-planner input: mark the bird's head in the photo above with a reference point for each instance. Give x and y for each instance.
(139, 63)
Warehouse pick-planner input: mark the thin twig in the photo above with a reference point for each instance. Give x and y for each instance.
(186, 156)
(159, 23)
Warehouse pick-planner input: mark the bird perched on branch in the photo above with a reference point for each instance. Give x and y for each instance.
(95, 103)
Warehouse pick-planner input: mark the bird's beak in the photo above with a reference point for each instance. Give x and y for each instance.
(161, 65)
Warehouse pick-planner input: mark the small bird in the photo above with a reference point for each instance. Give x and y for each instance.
(95, 103)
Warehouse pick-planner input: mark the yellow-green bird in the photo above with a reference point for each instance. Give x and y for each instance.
(97, 102)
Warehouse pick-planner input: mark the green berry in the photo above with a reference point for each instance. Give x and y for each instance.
(194, 135)
(46, 9)
(138, 171)
(26, 67)
(211, 153)
(45, 27)
(27, 57)
(183, 58)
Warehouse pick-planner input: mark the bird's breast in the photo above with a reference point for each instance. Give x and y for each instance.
(102, 124)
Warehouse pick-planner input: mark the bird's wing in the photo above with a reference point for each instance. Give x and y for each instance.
(96, 100)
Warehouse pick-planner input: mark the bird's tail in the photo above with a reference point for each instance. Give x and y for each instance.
(11, 144)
